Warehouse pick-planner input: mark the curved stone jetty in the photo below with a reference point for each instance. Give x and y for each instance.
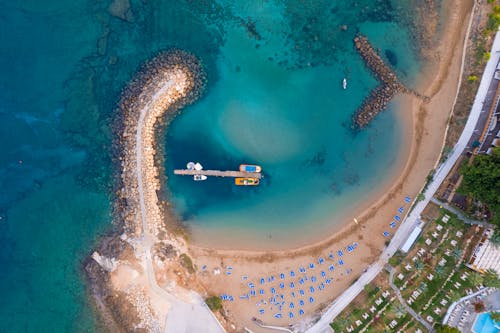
(378, 99)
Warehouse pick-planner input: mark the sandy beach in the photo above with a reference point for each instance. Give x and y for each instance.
(424, 127)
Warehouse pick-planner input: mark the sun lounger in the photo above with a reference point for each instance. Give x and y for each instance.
(397, 218)
(302, 270)
(293, 294)
(252, 293)
(282, 276)
(392, 224)
(311, 299)
(278, 315)
(313, 279)
(301, 281)
(321, 261)
(282, 285)
(331, 268)
(386, 234)
(251, 285)
(311, 265)
(262, 292)
(327, 281)
(291, 305)
(401, 209)
(292, 285)
(330, 255)
(341, 262)
(301, 303)
(262, 280)
(229, 267)
(323, 274)
(292, 273)
(301, 292)
(311, 289)
(340, 253)
(273, 290)
(261, 311)
(407, 199)
(301, 312)
(290, 315)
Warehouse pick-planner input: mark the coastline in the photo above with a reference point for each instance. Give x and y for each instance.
(425, 129)
(128, 259)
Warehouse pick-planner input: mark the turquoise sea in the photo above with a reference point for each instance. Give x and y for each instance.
(274, 98)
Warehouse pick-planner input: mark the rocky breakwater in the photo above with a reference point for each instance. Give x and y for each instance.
(390, 86)
(125, 287)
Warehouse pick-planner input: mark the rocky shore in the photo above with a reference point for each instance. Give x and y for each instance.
(389, 86)
(120, 268)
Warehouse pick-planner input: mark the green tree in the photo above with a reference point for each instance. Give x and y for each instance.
(495, 239)
(214, 303)
(419, 265)
(491, 279)
(476, 279)
(398, 309)
(495, 316)
(439, 271)
(481, 180)
(446, 329)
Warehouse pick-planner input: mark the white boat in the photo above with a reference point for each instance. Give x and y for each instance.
(344, 83)
(199, 177)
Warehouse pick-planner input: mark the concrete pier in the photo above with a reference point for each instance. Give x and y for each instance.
(218, 173)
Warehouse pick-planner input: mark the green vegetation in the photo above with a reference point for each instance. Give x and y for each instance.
(491, 279)
(187, 263)
(482, 181)
(214, 303)
(495, 239)
(494, 19)
(495, 316)
(472, 78)
(446, 329)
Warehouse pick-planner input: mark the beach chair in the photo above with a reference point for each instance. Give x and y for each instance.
(251, 285)
(301, 281)
(277, 315)
(301, 312)
(323, 274)
(397, 218)
(282, 285)
(262, 280)
(301, 292)
(311, 299)
(292, 294)
(292, 273)
(253, 293)
(321, 261)
(311, 265)
(290, 315)
(392, 224)
(291, 305)
(292, 285)
(261, 311)
(311, 289)
(272, 278)
(386, 234)
(313, 279)
(282, 276)
(341, 262)
(407, 199)
(262, 292)
(302, 270)
(401, 210)
(330, 255)
(273, 290)
(331, 268)
(301, 303)
(327, 281)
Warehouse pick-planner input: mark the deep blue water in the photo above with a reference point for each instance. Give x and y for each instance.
(273, 98)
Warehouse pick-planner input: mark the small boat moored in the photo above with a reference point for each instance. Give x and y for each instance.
(344, 83)
(199, 177)
(246, 181)
(250, 168)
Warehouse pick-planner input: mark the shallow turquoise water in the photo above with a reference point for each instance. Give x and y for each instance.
(63, 65)
(271, 107)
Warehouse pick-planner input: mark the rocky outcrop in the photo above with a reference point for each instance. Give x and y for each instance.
(389, 86)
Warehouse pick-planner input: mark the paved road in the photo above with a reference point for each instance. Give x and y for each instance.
(339, 304)
(403, 302)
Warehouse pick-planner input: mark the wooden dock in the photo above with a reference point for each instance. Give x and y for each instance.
(218, 173)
